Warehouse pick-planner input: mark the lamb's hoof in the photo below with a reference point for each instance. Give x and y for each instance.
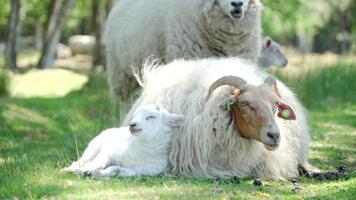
(87, 174)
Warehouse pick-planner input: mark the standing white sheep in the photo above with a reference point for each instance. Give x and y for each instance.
(264, 133)
(139, 149)
(170, 29)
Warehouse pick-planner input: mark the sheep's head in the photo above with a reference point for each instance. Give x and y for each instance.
(272, 55)
(152, 119)
(234, 8)
(254, 108)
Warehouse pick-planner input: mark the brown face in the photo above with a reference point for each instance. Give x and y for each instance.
(254, 108)
(254, 114)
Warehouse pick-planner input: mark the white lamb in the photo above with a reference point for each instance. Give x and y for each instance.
(171, 29)
(139, 149)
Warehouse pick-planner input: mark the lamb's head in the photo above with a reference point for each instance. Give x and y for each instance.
(151, 120)
(253, 109)
(234, 8)
(272, 55)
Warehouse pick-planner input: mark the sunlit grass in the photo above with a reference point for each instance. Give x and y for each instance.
(28, 58)
(50, 83)
(39, 136)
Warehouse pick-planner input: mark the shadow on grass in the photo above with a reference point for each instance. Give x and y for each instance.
(39, 132)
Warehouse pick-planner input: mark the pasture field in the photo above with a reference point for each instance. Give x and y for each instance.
(39, 136)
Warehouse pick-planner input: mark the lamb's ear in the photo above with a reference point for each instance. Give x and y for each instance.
(173, 120)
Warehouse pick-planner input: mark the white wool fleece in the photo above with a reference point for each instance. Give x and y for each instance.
(138, 149)
(208, 143)
(170, 29)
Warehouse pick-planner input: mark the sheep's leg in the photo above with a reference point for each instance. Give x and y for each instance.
(114, 171)
(100, 162)
(73, 168)
(89, 154)
(122, 84)
(306, 169)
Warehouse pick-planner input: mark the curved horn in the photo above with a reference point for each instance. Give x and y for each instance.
(227, 80)
(271, 81)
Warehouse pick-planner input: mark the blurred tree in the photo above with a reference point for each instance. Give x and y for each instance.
(99, 17)
(37, 15)
(302, 21)
(4, 15)
(79, 20)
(12, 35)
(59, 11)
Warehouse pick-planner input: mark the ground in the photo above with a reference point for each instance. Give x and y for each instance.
(39, 136)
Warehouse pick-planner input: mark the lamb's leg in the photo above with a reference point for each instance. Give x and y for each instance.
(89, 154)
(113, 171)
(100, 162)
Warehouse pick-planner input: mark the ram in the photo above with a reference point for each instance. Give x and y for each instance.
(263, 132)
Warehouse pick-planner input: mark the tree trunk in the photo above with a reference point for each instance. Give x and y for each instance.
(343, 25)
(12, 35)
(38, 36)
(111, 4)
(99, 15)
(305, 42)
(59, 14)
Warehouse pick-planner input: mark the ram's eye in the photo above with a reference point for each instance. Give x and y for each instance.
(150, 117)
(247, 105)
(244, 103)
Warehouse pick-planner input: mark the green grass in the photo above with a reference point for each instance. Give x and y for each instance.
(40, 136)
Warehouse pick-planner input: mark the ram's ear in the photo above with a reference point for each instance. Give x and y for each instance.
(173, 120)
(285, 112)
